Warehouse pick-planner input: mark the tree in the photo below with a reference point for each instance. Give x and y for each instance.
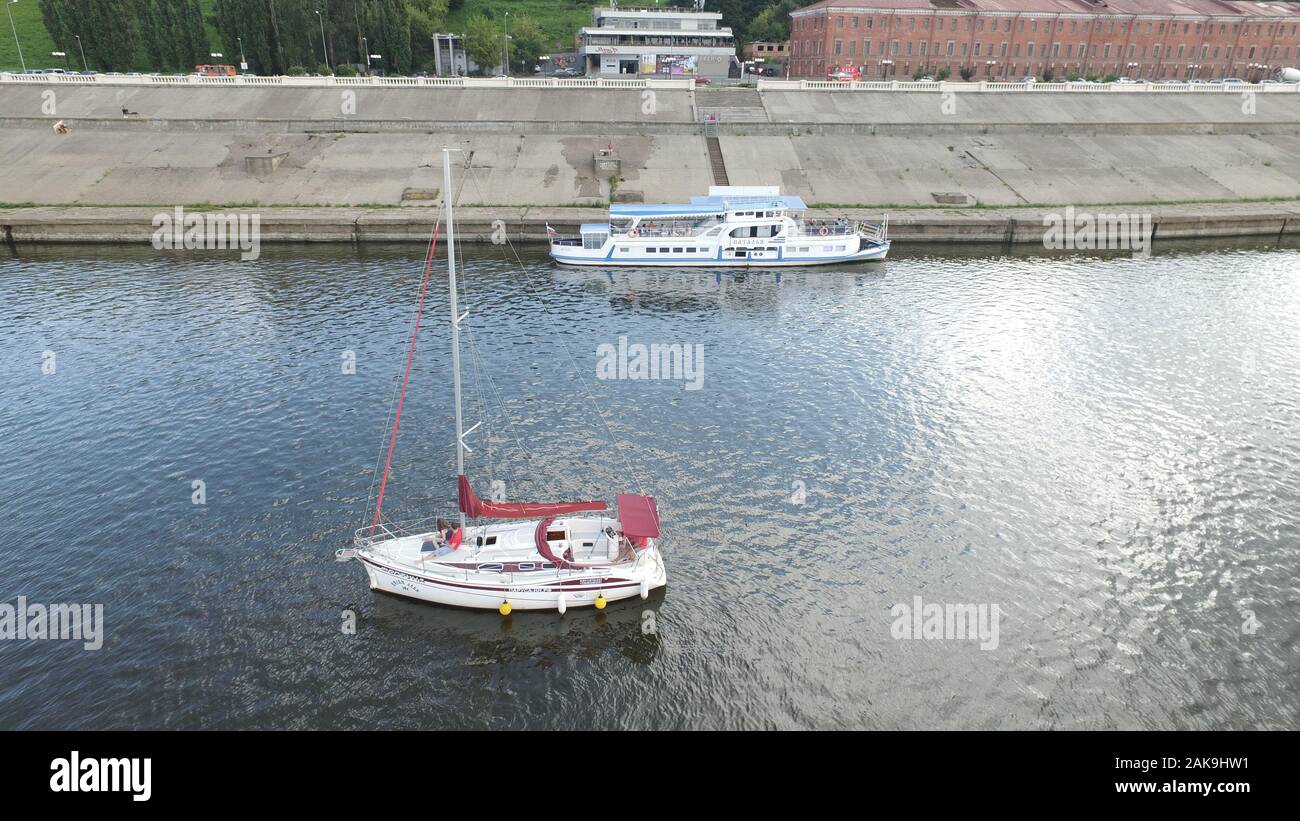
(966, 73)
(483, 42)
(527, 42)
(109, 29)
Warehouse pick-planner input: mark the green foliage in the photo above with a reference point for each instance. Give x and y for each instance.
(483, 43)
(108, 29)
(772, 24)
(966, 72)
(942, 74)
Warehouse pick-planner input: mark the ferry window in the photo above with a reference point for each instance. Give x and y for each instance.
(677, 250)
(663, 250)
(555, 535)
(828, 247)
(649, 250)
(622, 249)
(839, 247)
(690, 250)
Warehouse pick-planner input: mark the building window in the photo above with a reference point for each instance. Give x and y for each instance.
(951, 43)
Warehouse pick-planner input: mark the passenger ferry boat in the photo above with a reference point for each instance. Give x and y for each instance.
(733, 227)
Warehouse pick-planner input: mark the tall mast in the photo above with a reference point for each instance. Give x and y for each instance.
(455, 316)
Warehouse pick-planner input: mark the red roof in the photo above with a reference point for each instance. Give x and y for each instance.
(1153, 8)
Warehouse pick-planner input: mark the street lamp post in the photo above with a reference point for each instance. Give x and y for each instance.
(15, 30)
(82, 49)
(365, 46)
(506, 41)
(243, 61)
(1192, 68)
(1131, 67)
(323, 51)
(988, 68)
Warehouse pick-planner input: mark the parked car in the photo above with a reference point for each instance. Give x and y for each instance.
(1126, 81)
(703, 81)
(1233, 81)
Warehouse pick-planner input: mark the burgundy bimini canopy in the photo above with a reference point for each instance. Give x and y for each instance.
(638, 515)
(475, 507)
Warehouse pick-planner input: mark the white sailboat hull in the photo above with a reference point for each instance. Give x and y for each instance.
(522, 591)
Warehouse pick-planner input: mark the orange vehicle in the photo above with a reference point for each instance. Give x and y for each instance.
(215, 71)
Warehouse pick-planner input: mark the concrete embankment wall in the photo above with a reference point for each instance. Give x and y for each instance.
(535, 147)
(1001, 226)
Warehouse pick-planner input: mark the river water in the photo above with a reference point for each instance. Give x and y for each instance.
(1105, 449)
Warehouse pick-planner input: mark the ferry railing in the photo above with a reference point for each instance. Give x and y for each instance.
(815, 229)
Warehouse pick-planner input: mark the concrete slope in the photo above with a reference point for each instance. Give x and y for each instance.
(370, 104)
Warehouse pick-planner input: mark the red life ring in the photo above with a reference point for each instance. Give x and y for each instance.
(633, 233)
(823, 231)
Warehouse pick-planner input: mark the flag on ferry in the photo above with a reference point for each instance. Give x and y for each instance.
(550, 232)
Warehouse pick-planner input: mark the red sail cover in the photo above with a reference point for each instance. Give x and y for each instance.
(475, 507)
(638, 515)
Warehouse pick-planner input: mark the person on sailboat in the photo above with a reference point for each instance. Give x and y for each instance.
(445, 540)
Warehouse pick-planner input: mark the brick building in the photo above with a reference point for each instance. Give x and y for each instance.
(1010, 39)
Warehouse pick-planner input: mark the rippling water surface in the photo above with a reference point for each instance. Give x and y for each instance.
(1106, 448)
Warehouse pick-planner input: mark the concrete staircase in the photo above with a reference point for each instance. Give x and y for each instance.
(731, 105)
(716, 162)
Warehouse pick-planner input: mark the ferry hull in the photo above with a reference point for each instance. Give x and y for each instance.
(873, 254)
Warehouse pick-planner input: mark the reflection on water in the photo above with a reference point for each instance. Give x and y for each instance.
(1104, 447)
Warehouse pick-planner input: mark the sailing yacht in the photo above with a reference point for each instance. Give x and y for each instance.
(527, 555)
(733, 227)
